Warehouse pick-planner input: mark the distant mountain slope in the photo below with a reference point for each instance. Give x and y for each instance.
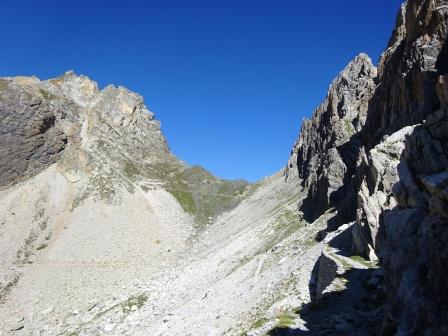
(89, 188)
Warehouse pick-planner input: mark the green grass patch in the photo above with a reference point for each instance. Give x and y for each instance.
(285, 320)
(3, 84)
(363, 261)
(259, 323)
(185, 199)
(346, 265)
(197, 191)
(130, 169)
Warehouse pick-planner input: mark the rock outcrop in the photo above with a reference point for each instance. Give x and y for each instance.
(31, 137)
(41, 119)
(327, 147)
(70, 121)
(402, 206)
(397, 171)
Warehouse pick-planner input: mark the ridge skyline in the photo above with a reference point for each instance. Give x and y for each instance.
(224, 85)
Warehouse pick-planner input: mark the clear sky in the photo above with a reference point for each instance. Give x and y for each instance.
(230, 80)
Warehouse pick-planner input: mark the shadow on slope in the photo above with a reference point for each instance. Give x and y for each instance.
(355, 310)
(343, 198)
(342, 303)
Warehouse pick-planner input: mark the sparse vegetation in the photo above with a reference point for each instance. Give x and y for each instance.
(259, 323)
(339, 284)
(26, 251)
(134, 301)
(79, 199)
(345, 264)
(130, 169)
(297, 310)
(3, 84)
(72, 333)
(197, 191)
(349, 128)
(184, 197)
(361, 260)
(42, 246)
(8, 287)
(47, 95)
(100, 185)
(285, 320)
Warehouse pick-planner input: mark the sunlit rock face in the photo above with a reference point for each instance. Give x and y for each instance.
(41, 119)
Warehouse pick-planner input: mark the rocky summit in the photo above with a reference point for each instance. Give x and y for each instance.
(105, 232)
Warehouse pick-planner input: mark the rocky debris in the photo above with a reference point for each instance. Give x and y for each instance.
(250, 258)
(328, 143)
(18, 325)
(329, 270)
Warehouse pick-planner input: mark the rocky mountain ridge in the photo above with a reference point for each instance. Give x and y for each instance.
(326, 150)
(89, 186)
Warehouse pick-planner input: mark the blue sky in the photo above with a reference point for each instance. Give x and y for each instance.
(230, 80)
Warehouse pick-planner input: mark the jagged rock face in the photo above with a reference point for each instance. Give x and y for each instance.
(399, 173)
(31, 138)
(329, 142)
(402, 203)
(409, 70)
(40, 120)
